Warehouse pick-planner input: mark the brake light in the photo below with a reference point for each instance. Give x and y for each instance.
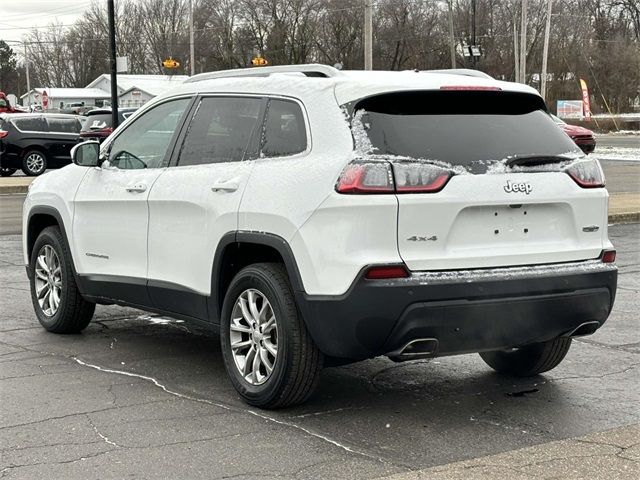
(383, 272)
(103, 132)
(3, 133)
(371, 177)
(477, 88)
(400, 177)
(608, 256)
(587, 174)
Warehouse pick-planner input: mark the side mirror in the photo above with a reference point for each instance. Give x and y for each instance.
(86, 154)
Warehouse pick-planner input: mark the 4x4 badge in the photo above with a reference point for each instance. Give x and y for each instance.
(523, 187)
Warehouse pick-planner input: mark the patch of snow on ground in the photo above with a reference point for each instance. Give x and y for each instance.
(617, 153)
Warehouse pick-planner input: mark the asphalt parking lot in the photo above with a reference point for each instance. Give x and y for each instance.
(139, 396)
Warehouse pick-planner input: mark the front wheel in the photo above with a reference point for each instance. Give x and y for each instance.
(56, 300)
(34, 163)
(529, 360)
(268, 353)
(7, 172)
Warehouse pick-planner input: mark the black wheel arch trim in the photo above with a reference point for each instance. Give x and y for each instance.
(51, 212)
(240, 237)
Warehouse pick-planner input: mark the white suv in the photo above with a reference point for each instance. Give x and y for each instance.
(319, 217)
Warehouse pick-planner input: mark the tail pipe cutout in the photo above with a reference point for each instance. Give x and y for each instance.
(415, 349)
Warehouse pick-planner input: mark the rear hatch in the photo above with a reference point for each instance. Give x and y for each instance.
(483, 179)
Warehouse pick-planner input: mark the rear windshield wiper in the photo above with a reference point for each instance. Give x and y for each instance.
(535, 160)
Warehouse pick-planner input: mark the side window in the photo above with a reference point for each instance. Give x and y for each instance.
(221, 130)
(144, 143)
(63, 125)
(284, 129)
(30, 124)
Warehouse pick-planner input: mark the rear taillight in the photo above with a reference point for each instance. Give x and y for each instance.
(3, 133)
(366, 177)
(587, 174)
(103, 132)
(401, 177)
(383, 272)
(608, 256)
(415, 177)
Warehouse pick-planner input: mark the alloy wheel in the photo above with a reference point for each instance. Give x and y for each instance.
(48, 280)
(35, 162)
(253, 335)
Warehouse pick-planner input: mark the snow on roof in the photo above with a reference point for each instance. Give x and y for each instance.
(71, 92)
(348, 85)
(152, 84)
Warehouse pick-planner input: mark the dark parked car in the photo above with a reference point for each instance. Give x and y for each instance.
(583, 137)
(34, 142)
(99, 125)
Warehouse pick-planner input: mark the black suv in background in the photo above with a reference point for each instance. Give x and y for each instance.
(35, 142)
(99, 125)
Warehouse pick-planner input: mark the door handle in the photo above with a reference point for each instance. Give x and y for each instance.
(225, 186)
(136, 188)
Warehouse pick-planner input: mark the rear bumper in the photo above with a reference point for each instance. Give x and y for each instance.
(465, 311)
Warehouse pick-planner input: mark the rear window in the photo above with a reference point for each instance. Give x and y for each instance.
(63, 125)
(30, 124)
(472, 130)
(97, 122)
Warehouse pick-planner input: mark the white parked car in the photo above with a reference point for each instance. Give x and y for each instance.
(319, 217)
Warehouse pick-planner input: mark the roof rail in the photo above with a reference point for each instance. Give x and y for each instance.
(310, 70)
(468, 72)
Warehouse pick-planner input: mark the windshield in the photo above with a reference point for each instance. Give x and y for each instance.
(472, 130)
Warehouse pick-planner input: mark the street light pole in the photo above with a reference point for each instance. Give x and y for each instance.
(26, 67)
(452, 42)
(473, 30)
(545, 53)
(112, 63)
(192, 55)
(523, 43)
(368, 35)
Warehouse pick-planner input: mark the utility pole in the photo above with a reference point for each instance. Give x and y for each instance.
(192, 61)
(473, 31)
(523, 43)
(368, 35)
(112, 63)
(516, 57)
(452, 42)
(26, 67)
(545, 52)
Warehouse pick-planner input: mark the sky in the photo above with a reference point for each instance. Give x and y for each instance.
(18, 17)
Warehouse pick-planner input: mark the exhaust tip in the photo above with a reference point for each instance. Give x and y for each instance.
(586, 328)
(415, 349)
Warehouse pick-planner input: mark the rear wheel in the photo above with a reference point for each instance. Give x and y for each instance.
(530, 359)
(56, 300)
(268, 353)
(7, 172)
(34, 163)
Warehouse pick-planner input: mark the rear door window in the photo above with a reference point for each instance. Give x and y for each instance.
(284, 129)
(63, 125)
(30, 124)
(468, 129)
(223, 129)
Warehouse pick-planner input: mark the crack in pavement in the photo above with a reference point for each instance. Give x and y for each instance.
(234, 409)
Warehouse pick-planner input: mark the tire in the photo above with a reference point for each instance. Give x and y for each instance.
(529, 360)
(7, 172)
(72, 312)
(296, 367)
(34, 163)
